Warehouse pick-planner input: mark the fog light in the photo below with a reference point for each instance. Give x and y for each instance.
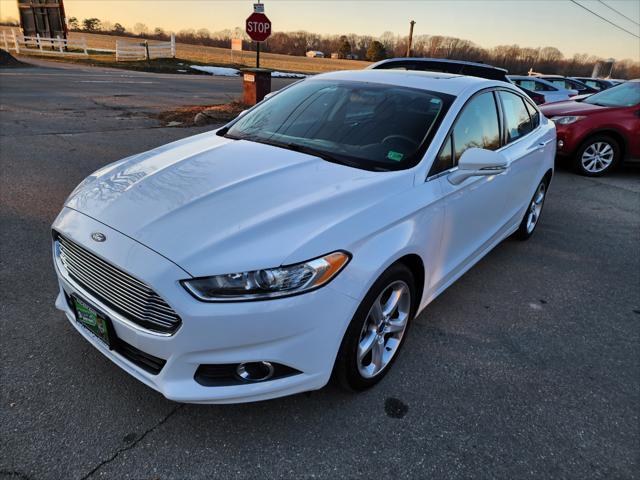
(255, 371)
(560, 144)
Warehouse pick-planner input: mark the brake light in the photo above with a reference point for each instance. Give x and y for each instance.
(573, 95)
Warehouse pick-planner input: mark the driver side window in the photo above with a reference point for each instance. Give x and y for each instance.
(477, 126)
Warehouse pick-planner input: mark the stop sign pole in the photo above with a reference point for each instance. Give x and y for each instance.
(258, 27)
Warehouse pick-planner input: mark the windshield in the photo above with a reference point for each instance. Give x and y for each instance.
(623, 95)
(364, 125)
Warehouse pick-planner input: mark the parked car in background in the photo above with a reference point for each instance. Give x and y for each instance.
(551, 92)
(568, 84)
(597, 83)
(481, 70)
(537, 97)
(458, 67)
(303, 237)
(601, 130)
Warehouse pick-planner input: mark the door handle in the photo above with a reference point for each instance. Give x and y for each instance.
(538, 145)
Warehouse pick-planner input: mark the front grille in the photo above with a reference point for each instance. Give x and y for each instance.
(117, 289)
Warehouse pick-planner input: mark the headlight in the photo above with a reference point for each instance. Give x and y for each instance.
(567, 120)
(268, 283)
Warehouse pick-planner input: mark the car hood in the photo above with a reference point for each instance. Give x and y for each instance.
(570, 107)
(214, 205)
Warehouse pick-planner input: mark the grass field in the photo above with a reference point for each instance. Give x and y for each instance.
(202, 55)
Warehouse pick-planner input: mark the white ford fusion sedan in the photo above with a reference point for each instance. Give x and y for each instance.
(302, 238)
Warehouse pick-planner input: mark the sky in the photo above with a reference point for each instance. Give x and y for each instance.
(528, 23)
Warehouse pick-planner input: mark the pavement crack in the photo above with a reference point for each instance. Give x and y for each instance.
(132, 444)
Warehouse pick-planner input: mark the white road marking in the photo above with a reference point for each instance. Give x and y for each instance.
(112, 81)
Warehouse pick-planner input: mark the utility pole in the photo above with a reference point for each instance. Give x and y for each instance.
(411, 24)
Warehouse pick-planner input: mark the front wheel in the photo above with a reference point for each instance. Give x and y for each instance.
(534, 210)
(378, 329)
(597, 156)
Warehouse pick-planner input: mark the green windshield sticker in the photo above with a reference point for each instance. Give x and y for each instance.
(395, 156)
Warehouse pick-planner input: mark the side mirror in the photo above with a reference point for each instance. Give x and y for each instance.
(476, 162)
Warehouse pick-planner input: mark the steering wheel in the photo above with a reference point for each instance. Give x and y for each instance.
(403, 138)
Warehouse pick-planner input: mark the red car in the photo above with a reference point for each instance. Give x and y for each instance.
(599, 131)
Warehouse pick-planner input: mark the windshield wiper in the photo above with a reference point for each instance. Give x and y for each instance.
(296, 147)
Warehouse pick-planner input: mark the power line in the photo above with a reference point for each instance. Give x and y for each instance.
(619, 13)
(602, 18)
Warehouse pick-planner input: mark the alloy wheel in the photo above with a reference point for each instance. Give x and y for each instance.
(597, 157)
(383, 329)
(536, 207)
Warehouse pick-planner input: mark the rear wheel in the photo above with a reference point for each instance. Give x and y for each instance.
(377, 330)
(534, 210)
(597, 156)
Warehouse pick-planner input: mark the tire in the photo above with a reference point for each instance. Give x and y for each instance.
(532, 215)
(356, 373)
(597, 156)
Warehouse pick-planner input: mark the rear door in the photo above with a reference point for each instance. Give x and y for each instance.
(525, 146)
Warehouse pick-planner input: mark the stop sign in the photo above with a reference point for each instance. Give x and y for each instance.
(258, 27)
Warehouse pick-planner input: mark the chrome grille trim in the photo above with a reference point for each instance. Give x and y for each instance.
(119, 290)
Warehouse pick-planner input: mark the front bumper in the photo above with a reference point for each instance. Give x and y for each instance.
(568, 139)
(302, 332)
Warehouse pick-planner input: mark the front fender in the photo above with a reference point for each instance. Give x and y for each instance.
(373, 255)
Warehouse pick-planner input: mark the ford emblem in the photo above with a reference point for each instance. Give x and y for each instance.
(98, 236)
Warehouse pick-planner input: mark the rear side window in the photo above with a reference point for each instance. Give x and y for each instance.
(571, 85)
(542, 87)
(533, 113)
(592, 84)
(560, 83)
(534, 85)
(516, 116)
(477, 126)
(528, 84)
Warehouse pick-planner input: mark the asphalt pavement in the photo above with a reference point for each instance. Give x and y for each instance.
(526, 368)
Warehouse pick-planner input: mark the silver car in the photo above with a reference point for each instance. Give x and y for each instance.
(551, 92)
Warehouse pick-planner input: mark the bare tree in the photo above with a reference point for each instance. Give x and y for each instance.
(515, 59)
(140, 29)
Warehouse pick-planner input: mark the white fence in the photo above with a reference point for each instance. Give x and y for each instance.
(145, 50)
(43, 45)
(78, 46)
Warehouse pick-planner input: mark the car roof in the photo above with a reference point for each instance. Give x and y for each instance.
(449, 83)
(545, 77)
(481, 70)
(524, 77)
